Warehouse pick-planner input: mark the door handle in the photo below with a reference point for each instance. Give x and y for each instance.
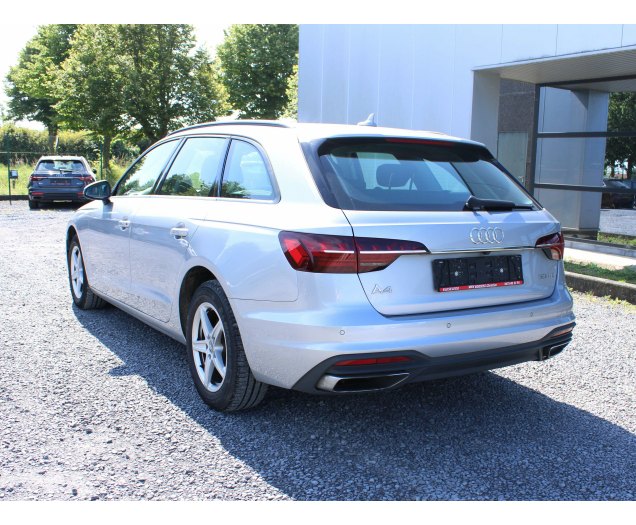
(124, 224)
(179, 232)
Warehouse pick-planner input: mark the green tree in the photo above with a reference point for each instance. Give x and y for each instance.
(30, 84)
(256, 61)
(291, 109)
(167, 86)
(90, 84)
(621, 117)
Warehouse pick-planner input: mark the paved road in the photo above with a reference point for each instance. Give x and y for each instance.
(95, 405)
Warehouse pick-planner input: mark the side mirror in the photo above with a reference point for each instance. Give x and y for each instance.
(95, 171)
(99, 190)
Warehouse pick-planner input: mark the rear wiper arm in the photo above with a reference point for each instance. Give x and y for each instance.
(492, 204)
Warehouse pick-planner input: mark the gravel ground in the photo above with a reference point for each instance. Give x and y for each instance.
(622, 222)
(96, 405)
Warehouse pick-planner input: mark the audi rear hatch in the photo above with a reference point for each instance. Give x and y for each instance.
(438, 225)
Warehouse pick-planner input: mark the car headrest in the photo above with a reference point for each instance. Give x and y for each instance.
(392, 175)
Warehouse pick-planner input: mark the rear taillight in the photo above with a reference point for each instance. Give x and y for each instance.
(86, 178)
(377, 254)
(552, 245)
(340, 254)
(319, 253)
(36, 177)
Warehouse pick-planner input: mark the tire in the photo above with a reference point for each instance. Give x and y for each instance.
(33, 205)
(237, 389)
(81, 292)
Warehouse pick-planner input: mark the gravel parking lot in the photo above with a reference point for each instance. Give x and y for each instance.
(96, 405)
(622, 222)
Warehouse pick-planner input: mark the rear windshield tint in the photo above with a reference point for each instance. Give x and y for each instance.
(60, 165)
(410, 175)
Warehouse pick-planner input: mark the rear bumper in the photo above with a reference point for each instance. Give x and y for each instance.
(284, 341)
(72, 194)
(329, 379)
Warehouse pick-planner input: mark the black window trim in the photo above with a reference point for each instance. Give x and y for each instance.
(161, 173)
(172, 160)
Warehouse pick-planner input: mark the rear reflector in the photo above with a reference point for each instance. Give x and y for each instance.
(553, 246)
(341, 254)
(562, 332)
(33, 193)
(373, 361)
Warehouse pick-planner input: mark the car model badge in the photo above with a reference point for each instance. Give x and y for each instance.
(377, 289)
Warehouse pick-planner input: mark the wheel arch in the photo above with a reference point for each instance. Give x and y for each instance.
(193, 278)
(70, 233)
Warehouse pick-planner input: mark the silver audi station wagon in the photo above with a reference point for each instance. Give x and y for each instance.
(324, 258)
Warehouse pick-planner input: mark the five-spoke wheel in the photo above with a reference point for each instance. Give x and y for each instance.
(77, 272)
(217, 360)
(208, 346)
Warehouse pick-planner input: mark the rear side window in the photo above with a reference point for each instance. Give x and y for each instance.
(194, 171)
(246, 175)
(410, 175)
(141, 177)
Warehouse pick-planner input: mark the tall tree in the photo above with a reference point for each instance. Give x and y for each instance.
(90, 84)
(168, 86)
(256, 61)
(621, 117)
(291, 109)
(30, 84)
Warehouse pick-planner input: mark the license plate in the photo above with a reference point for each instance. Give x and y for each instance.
(472, 273)
(60, 181)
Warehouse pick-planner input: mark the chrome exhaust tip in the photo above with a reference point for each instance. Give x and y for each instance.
(550, 351)
(344, 384)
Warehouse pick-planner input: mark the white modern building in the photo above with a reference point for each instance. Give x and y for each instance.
(447, 78)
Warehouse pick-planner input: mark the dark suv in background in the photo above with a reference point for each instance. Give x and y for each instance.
(59, 178)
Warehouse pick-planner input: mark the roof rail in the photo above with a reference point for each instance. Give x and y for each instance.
(272, 123)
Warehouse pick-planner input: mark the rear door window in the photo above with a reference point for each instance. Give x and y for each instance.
(141, 177)
(246, 175)
(194, 171)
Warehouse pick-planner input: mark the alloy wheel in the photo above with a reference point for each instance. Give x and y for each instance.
(77, 272)
(209, 347)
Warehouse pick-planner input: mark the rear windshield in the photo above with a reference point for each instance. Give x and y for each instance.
(411, 175)
(60, 165)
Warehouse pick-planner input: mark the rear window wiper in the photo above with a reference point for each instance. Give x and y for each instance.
(492, 204)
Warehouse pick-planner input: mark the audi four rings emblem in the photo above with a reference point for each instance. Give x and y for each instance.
(486, 235)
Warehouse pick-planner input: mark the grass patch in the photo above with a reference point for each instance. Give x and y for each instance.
(617, 239)
(24, 171)
(623, 276)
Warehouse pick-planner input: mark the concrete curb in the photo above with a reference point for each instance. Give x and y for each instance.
(14, 197)
(601, 287)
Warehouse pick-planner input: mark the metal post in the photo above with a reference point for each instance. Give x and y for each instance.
(101, 160)
(8, 170)
(535, 131)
